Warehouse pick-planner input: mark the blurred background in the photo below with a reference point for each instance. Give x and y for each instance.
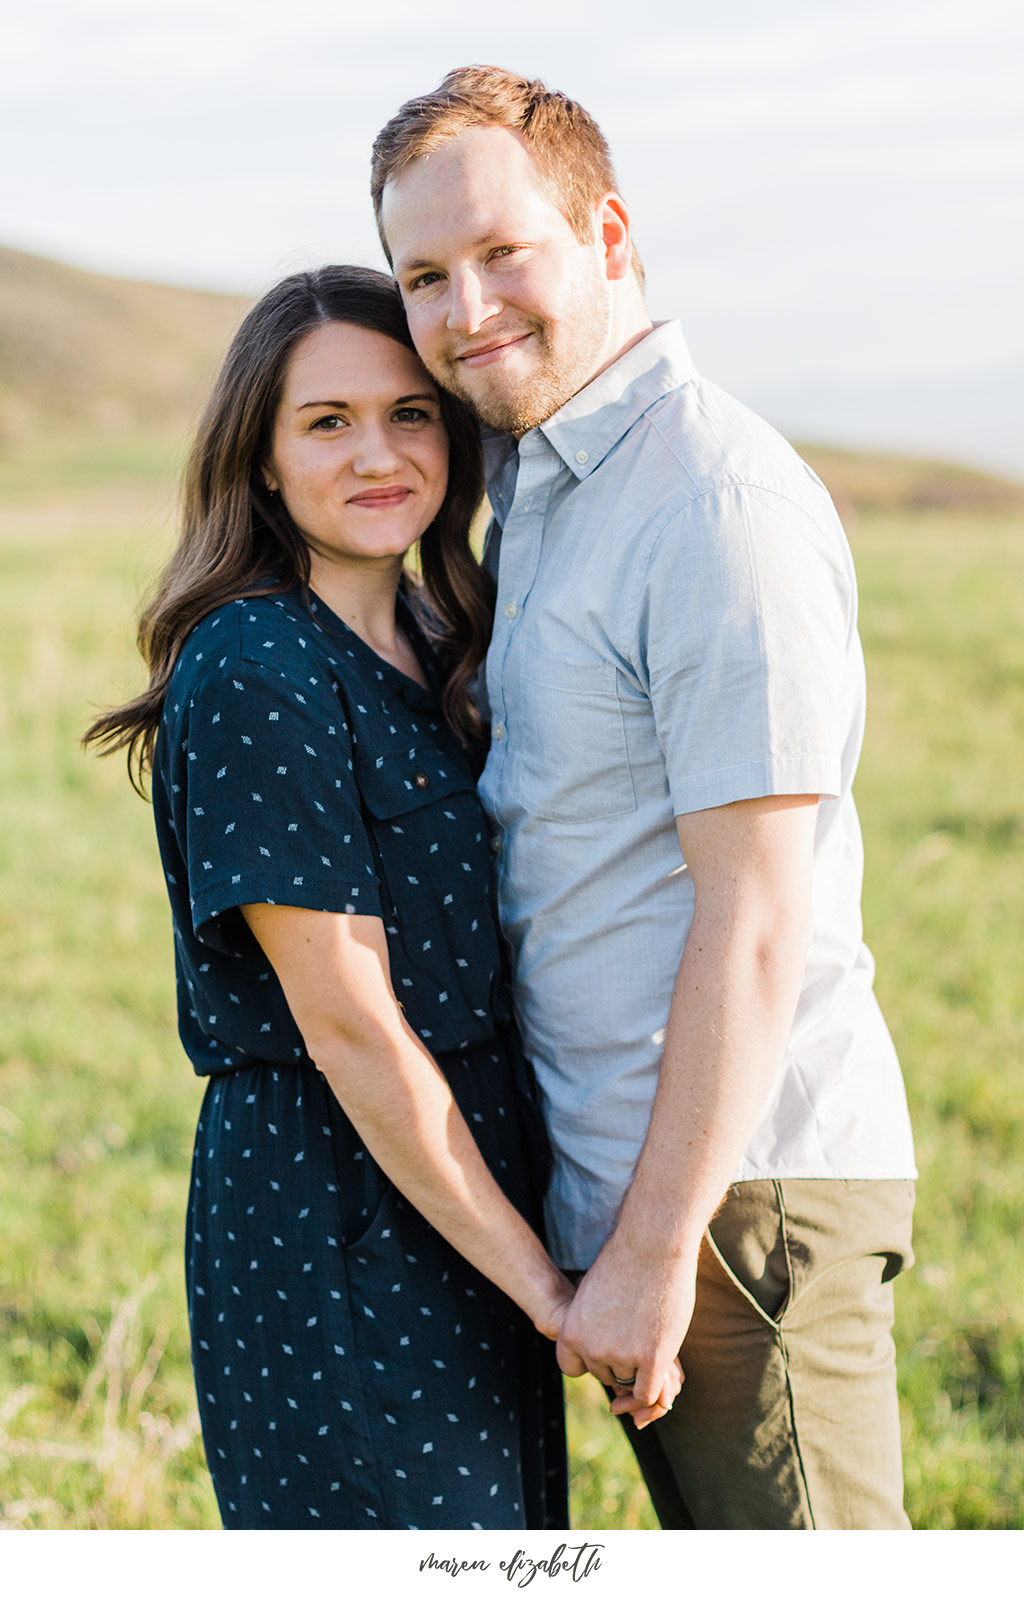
(826, 191)
(828, 196)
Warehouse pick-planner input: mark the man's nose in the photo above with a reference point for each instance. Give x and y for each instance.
(470, 305)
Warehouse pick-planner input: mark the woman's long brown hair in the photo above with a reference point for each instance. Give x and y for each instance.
(238, 540)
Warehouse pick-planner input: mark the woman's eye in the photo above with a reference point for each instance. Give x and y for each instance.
(327, 424)
(411, 414)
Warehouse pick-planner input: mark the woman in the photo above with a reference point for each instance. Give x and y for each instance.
(366, 1163)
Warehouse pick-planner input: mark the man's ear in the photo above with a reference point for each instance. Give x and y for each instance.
(613, 221)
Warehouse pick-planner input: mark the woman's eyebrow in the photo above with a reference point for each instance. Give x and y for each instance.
(345, 405)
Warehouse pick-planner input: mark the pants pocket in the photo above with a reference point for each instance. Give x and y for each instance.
(748, 1239)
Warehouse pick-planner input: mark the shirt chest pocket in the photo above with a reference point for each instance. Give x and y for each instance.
(429, 831)
(569, 743)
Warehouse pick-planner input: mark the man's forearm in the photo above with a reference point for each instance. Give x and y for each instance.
(732, 1011)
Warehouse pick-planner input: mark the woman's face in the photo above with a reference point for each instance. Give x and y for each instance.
(359, 453)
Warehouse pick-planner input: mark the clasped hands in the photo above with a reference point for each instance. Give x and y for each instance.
(627, 1327)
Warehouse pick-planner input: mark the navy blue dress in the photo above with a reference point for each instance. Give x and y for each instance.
(352, 1369)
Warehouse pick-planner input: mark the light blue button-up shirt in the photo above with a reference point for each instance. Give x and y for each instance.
(675, 630)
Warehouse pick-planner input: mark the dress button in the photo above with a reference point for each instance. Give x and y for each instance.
(582, 457)
(511, 610)
(421, 780)
(498, 730)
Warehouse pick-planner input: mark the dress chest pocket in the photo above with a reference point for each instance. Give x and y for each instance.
(569, 746)
(429, 830)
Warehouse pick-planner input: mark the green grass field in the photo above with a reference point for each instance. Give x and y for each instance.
(97, 1102)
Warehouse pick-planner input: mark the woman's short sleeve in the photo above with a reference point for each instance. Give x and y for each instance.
(266, 808)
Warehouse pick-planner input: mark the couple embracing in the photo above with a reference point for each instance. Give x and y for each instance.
(517, 905)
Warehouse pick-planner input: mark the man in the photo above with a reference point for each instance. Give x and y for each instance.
(677, 692)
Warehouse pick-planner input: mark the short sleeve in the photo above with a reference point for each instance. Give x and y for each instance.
(748, 624)
(267, 811)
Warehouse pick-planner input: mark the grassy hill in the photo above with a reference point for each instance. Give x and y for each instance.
(96, 373)
(872, 481)
(88, 355)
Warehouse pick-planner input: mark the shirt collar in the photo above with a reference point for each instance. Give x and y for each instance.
(499, 449)
(589, 425)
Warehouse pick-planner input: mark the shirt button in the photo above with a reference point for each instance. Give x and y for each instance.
(421, 780)
(498, 730)
(511, 610)
(496, 843)
(582, 457)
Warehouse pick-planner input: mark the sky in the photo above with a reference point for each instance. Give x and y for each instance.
(828, 195)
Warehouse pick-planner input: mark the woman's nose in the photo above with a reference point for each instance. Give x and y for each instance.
(375, 453)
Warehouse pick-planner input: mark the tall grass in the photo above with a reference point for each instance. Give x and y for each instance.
(942, 801)
(97, 1103)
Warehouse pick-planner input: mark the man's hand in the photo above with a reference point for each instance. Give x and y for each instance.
(627, 1318)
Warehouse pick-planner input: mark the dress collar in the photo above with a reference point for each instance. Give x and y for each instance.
(390, 679)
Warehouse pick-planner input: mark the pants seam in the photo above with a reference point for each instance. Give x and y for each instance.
(784, 1352)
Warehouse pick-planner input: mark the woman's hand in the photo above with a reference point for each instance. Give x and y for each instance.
(550, 1315)
(626, 1404)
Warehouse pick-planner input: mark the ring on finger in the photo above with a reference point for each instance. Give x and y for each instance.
(624, 1383)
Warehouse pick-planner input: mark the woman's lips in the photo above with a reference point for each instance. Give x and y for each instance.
(382, 498)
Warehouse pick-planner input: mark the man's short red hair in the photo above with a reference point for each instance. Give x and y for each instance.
(569, 150)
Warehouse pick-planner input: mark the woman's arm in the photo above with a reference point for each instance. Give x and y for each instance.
(335, 974)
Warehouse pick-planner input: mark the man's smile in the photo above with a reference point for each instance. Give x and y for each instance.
(496, 350)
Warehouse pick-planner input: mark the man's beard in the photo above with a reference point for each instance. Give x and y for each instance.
(558, 372)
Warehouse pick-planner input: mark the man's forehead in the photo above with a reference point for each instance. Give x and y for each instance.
(469, 151)
(468, 183)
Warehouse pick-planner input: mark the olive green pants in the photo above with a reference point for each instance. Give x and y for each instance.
(787, 1416)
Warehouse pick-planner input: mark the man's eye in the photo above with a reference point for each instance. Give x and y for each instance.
(424, 281)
